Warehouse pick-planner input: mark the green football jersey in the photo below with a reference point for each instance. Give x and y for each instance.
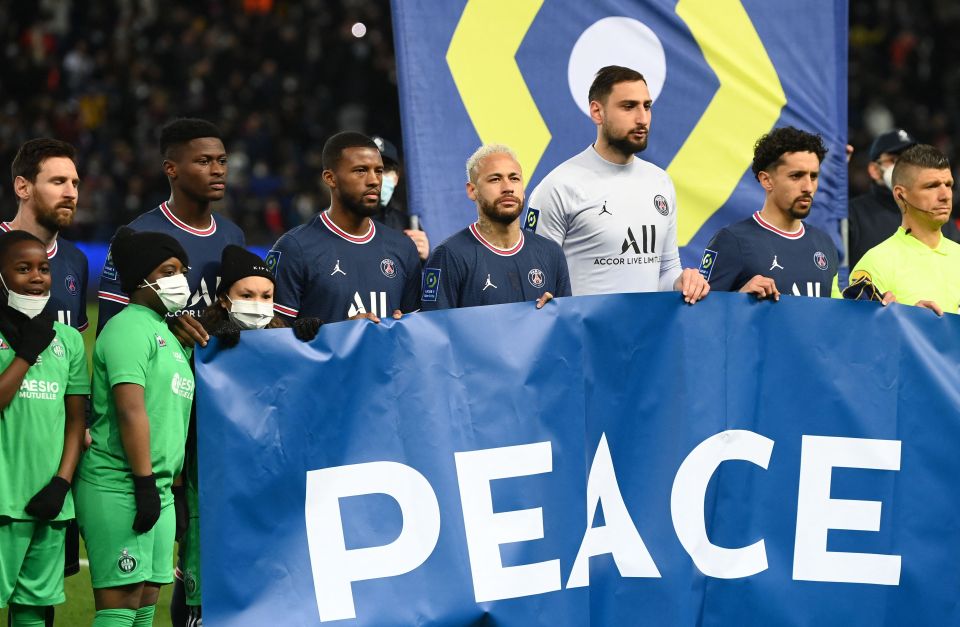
(136, 346)
(32, 425)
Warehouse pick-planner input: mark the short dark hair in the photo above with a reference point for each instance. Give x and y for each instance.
(921, 157)
(609, 76)
(10, 238)
(182, 130)
(333, 149)
(34, 152)
(769, 150)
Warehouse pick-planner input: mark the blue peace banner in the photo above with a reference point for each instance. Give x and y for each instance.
(609, 460)
(722, 73)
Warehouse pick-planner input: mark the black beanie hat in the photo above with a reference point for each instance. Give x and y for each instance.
(238, 263)
(136, 254)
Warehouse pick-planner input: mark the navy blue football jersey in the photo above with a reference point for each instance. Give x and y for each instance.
(467, 270)
(324, 272)
(203, 246)
(803, 263)
(68, 282)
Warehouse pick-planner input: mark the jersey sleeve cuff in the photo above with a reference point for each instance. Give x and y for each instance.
(290, 312)
(115, 298)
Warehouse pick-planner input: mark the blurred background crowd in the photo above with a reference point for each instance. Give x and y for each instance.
(280, 76)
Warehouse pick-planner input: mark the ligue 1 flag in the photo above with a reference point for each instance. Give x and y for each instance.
(721, 73)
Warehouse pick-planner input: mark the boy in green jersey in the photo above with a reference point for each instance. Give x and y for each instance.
(43, 389)
(142, 391)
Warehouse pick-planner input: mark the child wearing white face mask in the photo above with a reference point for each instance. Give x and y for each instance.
(142, 392)
(244, 302)
(43, 390)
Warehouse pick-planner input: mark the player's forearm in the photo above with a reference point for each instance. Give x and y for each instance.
(73, 434)
(134, 426)
(671, 277)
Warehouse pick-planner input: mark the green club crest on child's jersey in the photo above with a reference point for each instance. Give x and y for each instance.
(127, 563)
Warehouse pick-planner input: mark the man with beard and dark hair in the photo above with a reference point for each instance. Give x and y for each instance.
(47, 185)
(615, 215)
(341, 265)
(491, 262)
(773, 251)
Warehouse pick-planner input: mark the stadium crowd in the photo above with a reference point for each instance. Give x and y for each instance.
(104, 75)
(178, 273)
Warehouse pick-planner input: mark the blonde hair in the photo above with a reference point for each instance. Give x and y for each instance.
(473, 163)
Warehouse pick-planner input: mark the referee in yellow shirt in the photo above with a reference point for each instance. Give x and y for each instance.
(917, 265)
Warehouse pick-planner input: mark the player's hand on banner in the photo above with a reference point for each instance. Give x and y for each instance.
(397, 314)
(931, 305)
(692, 285)
(543, 300)
(228, 333)
(181, 511)
(365, 316)
(35, 336)
(188, 330)
(305, 329)
(888, 297)
(762, 287)
(47, 503)
(420, 240)
(147, 498)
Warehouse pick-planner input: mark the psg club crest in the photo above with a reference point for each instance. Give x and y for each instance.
(821, 260)
(660, 202)
(389, 268)
(535, 277)
(70, 282)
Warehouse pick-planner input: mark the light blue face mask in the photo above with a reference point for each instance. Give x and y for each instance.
(387, 186)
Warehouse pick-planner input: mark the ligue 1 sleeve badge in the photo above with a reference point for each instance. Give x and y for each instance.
(821, 260)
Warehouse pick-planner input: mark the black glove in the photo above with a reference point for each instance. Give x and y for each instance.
(305, 329)
(181, 510)
(48, 502)
(227, 332)
(35, 335)
(148, 503)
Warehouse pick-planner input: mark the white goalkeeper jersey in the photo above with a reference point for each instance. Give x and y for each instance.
(617, 224)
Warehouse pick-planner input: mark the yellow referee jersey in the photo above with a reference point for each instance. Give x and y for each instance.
(910, 269)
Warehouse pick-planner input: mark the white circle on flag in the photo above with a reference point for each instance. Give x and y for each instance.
(615, 41)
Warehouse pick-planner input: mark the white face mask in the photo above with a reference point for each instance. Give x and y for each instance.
(174, 291)
(888, 176)
(28, 305)
(250, 314)
(387, 186)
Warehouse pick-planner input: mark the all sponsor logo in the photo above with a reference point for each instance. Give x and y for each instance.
(388, 267)
(378, 305)
(642, 249)
(648, 239)
(536, 278)
(661, 204)
(821, 260)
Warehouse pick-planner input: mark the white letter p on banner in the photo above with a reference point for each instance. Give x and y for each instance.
(334, 567)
